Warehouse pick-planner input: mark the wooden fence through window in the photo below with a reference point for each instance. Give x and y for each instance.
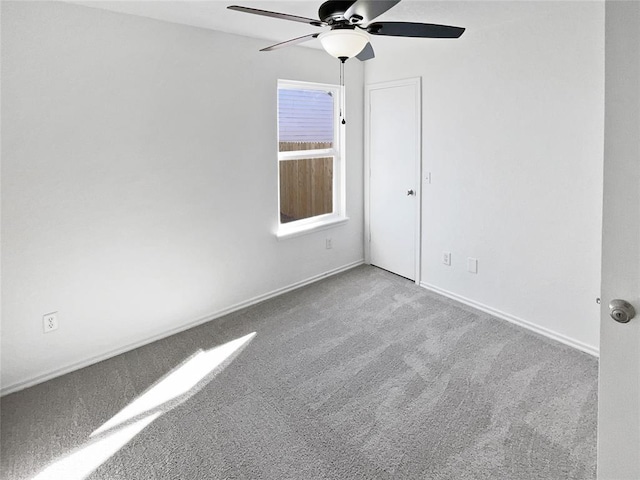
(306, 185)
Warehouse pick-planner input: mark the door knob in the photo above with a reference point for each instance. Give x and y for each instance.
(411, 192)
(621, 311)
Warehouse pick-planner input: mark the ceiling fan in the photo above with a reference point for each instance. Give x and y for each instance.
(350, 22)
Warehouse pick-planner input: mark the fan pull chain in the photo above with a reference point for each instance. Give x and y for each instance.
(342, 99)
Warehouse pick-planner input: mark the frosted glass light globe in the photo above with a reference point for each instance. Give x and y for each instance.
(344, 42)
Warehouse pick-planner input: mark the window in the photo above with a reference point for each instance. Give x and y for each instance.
(310, 167)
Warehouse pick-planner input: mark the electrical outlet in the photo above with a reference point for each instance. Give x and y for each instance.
(328, 244)
(472, 265)
(50, 322)
(446, 258)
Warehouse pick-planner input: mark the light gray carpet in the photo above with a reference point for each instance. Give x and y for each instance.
(362, 375)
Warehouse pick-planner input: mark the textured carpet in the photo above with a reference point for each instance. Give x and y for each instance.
(361, 375)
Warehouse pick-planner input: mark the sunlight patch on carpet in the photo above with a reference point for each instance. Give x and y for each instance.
(81, 463)
(179, 384)
(166, 394)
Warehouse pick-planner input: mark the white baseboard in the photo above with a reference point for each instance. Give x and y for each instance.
(220, 313)
(516, 320)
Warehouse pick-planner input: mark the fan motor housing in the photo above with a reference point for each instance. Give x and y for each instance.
(332, 12)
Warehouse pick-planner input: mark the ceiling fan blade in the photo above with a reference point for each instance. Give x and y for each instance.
(363, 11)
(409, 29)
(366, 53)
(288, 43)
(282, 16)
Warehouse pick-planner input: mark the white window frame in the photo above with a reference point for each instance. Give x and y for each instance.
(338, 216)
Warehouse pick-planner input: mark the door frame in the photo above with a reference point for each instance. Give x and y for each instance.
(416, 83)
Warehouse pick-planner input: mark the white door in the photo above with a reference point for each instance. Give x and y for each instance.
(619, 388)
(393, 151)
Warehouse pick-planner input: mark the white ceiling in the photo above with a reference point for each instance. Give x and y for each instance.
(213, 14)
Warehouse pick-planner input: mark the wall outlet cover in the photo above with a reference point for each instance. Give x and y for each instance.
(472, 265)
(50, 322)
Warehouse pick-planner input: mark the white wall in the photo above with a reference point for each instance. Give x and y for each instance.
(513, 136)
(139, 179)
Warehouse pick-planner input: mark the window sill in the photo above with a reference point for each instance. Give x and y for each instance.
(286, 231)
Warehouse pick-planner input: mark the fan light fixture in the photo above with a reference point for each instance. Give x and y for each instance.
(343, 42)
